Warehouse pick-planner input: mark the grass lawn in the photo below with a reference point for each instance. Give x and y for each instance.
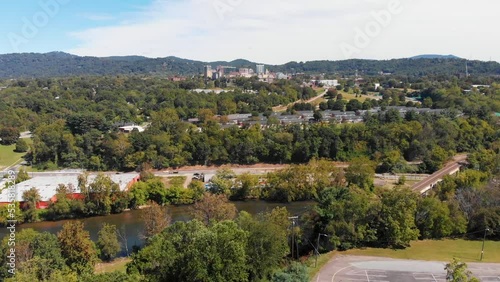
(318, 101)
(119, 264)
(438, 250)
(390, 184)
(8, 157)
(31, 169)
(349, 96)
(322, 260)
(319, 90)
(176, 181)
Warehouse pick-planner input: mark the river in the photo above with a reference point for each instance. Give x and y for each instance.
(130, 221)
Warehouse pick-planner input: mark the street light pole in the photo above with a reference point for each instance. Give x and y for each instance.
(484, 239)
(293, 219)
(317, 248)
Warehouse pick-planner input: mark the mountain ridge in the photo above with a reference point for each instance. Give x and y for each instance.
(435, 56)
(60, 64)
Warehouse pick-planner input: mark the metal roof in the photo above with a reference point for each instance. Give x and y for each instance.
(47, 185)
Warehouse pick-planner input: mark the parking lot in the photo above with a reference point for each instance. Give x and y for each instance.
(372, 269)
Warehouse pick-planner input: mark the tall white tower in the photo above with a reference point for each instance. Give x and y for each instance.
(261, 69)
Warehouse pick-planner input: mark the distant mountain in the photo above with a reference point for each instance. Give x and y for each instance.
(433, 56)
(59, 64)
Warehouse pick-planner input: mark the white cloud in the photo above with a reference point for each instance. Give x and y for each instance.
(278, 31)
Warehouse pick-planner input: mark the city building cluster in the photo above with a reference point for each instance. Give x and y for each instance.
(232, 72)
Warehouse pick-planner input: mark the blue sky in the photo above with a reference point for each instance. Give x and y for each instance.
(69, 16)
(269, 31)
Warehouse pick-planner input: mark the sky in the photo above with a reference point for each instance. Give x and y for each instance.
(266, 31)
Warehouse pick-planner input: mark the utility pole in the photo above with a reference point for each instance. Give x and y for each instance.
(317, 248)
(484, 239)
(293, 219)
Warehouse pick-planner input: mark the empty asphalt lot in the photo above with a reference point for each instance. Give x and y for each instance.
(372, 269)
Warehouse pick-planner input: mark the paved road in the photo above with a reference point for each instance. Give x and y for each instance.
(256, 170)
(371, 269)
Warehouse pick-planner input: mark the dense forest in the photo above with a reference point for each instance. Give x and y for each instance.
(58, 64)
(75, 124)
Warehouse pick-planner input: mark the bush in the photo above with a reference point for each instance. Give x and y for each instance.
(296, 272)
(21, 146)
(9, 135)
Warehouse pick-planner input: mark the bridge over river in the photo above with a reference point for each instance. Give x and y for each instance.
(450, 168)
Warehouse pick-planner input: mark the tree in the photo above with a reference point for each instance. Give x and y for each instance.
(347, 215)
(21, 146)
(157, 191)
(354, 105)
(38, 256)
(22, 175)
(361, 172)
(138, 194)
(391, 161)
(46, 246)
(301, 182)
(198, 188)
(115, 276)
(9, 135)
(338, 105)
(246, 186)
(191, 251)
(37, 266)
(100, 190)
(433, 219)
(107, 242)
(156, 218)
(31, 199)
(23, 250)
(397, 217)
(223, 181)
(267, 241)
(77, 247)
(457, 271)
(427, 103)
(434, 160)
(317, 116)
(205, 115)
(331, 93)
(213, 208)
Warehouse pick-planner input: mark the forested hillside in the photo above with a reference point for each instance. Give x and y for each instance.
(58, 64)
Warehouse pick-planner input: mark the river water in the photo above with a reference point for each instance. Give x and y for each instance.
(130, 221)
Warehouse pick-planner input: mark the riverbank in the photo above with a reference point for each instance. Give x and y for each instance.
(119, 264)
(130, 224)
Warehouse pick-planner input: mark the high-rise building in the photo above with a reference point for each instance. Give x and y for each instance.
(261, 69)
(207, 72)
